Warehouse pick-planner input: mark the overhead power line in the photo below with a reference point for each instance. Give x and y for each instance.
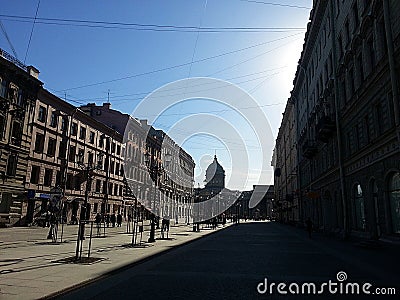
(173, 67)
(276, 4)
(33, 26)
(140, 26)
(3, 29)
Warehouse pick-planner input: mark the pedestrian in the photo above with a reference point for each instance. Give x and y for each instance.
(309, 225)
(97, 220)
(214, 223)
(128, 224)
(113, 219)
(119, 220)
(74, 220)
(108, 219)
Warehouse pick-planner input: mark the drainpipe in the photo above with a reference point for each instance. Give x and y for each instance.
(338, 129)
(392, 67)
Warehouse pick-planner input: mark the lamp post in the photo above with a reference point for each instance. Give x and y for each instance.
(152, 169)
(88, 169)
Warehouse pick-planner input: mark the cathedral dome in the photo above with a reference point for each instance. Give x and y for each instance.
(215, 175)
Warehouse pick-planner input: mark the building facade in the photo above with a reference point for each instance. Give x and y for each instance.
(77, 155)
(18, 93)
(346, 102)
(285, 168)
(74, 161)
(159, 171)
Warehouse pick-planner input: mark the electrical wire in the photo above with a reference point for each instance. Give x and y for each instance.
(276, 4)
(139, 26)
(173, 67)
(33, 26)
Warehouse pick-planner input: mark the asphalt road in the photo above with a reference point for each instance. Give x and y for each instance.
(231, 264)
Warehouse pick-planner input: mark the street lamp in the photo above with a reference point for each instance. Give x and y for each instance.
(152, 170)
(88, 169)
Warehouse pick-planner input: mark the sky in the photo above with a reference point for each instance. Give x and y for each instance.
(128, 51)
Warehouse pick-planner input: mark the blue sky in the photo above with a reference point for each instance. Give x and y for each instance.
(71, 57)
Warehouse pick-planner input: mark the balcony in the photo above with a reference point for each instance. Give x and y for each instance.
(309, 149)
(325, 128)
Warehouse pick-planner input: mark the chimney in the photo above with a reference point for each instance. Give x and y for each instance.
(33, 71)
(107, 105)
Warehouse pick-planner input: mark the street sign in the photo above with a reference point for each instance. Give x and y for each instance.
(31, 194)
(55, 200)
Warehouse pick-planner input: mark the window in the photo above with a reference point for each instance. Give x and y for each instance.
(101, 142)
(337, 7)
(82, 133)
(367, 129)
(3, 88)
(21, 98)
(58, 178)
(48, 177)
(77, 182)
(81, 156)
(344, 92)
(118, 149)
(112, 167)
(74, 129)
(355, 15)
(16, 134)
(360, 67)
(64, 124)
(113, 148)
(120, 190)
(62, 150)
(379, 116)
(351, 82)
(116, 189)
(98, 184)
(72, 153)
(117, 169)
(12, 164)
(347, 31)
(340, 45)
(90, 158)
(99, 162)
(69, 181)
(51, 147)
(394, 196)
(371, 52)
(2, 126)
(54, 119)
(35, 174)
(104, 187)
(110, 188)
(91, 137)
(42, 114)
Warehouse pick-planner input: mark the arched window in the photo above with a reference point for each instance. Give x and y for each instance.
(394, 197)
(359, 209)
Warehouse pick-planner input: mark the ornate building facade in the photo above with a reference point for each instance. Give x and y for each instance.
(346, 99)
(18, 94)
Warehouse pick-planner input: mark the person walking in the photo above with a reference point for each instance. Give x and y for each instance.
(108, 219)
(97, 220)
(119, 220)
(113, 219)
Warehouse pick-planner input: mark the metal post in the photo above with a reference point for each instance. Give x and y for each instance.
(90, 238)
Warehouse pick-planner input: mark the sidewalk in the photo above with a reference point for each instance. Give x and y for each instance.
(33, 267)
